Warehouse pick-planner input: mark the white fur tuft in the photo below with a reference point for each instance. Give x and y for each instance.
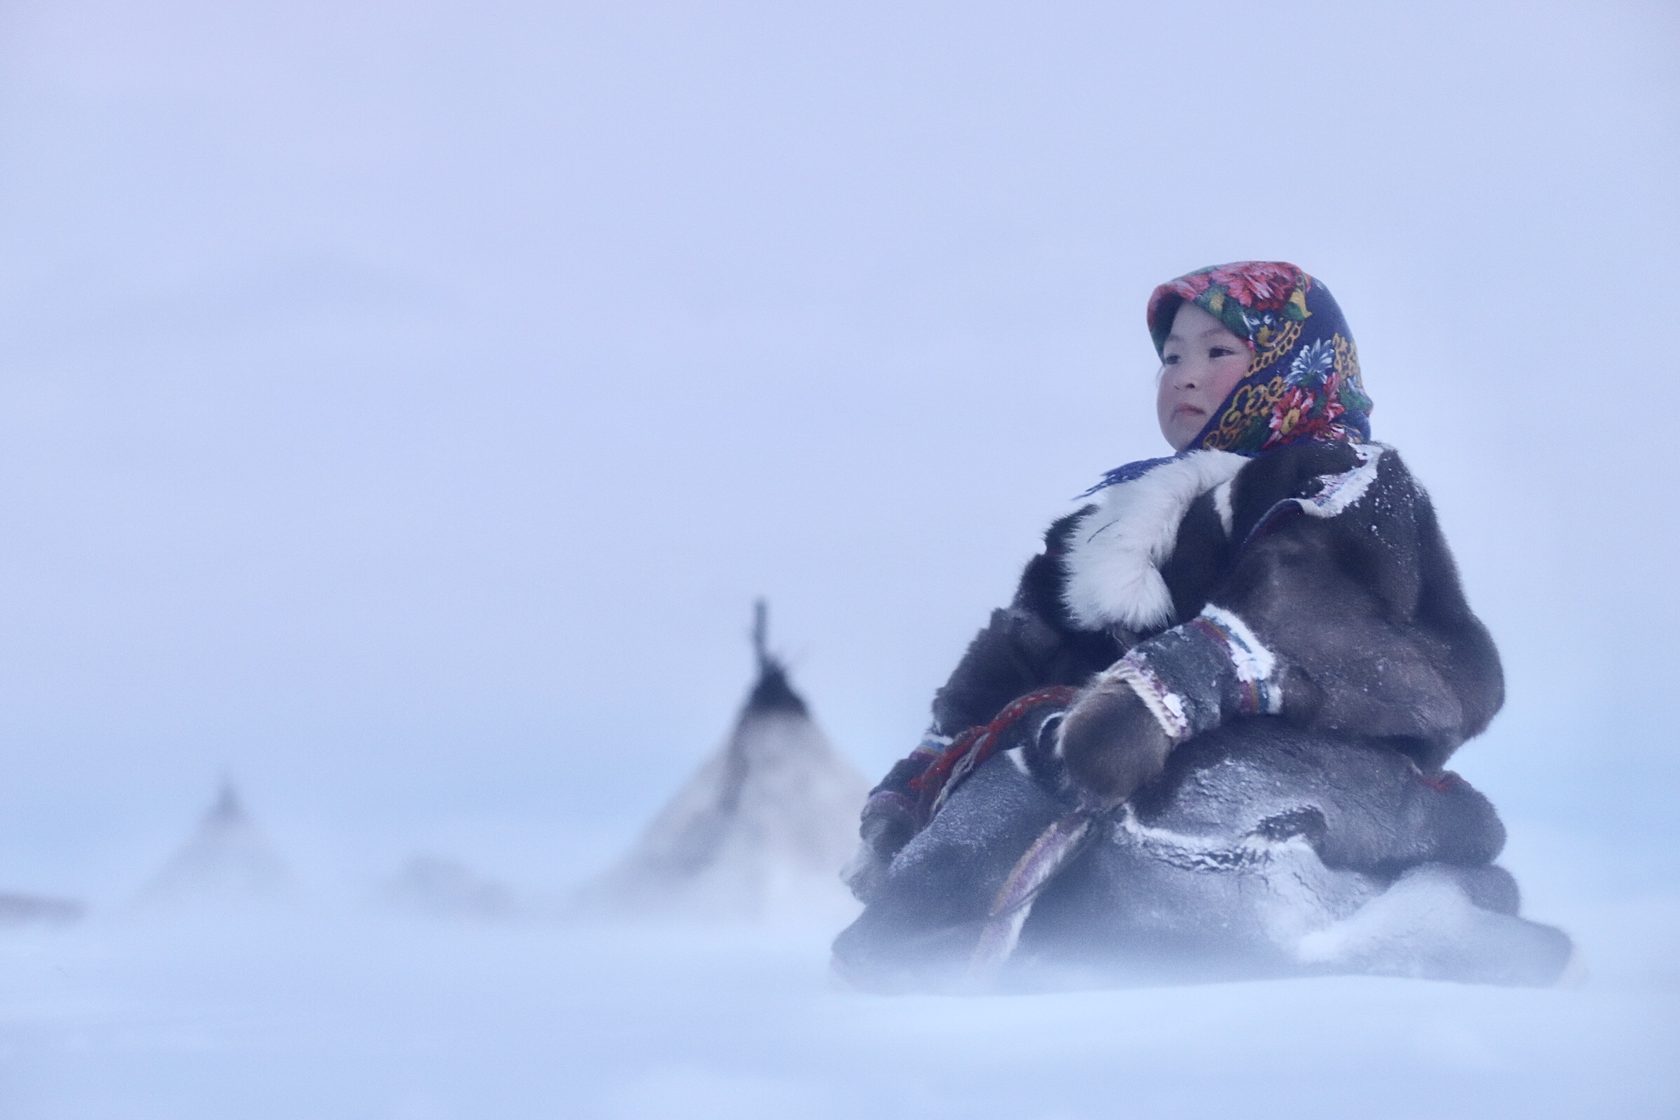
(1114, 559)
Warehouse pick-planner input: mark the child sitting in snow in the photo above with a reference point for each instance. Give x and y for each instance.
(1260, 641)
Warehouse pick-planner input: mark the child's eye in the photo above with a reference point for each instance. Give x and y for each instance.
(1169, 360)
(1221, 352)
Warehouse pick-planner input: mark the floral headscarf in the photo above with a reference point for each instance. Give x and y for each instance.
(1303, 378)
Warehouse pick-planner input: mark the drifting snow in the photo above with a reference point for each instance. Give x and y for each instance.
(331, 1016)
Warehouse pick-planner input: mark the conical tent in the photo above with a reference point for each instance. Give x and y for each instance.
(33, 909)
(226, 860)
(437, 887)
(760, 831)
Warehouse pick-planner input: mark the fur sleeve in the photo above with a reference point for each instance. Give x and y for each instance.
(1025, 646)
(1342, 611)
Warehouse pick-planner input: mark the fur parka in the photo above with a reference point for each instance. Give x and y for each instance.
(1311, 582)
(1296, 621)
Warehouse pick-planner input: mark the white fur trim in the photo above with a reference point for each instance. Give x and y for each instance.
(1162, 702)
(1116, 550)
(1222, 505)
(1001, 943)
(1252, 660)
(1342, 490)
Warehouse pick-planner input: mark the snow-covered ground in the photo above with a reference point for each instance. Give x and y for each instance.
(325, 1016)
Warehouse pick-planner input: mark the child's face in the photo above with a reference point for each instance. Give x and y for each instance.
(1201, 363)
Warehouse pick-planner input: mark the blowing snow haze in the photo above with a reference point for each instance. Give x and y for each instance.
(398, 413)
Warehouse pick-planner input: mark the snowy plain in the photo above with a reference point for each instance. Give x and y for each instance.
(329, 1015)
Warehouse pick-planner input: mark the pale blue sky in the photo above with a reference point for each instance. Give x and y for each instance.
(401, 406)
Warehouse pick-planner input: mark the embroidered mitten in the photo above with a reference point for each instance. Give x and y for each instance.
(1177, 684)
(1110, 742)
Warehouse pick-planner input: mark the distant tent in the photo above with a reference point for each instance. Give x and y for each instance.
(31, 909)
(759, 832)
(442, 888)
(226, 860)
